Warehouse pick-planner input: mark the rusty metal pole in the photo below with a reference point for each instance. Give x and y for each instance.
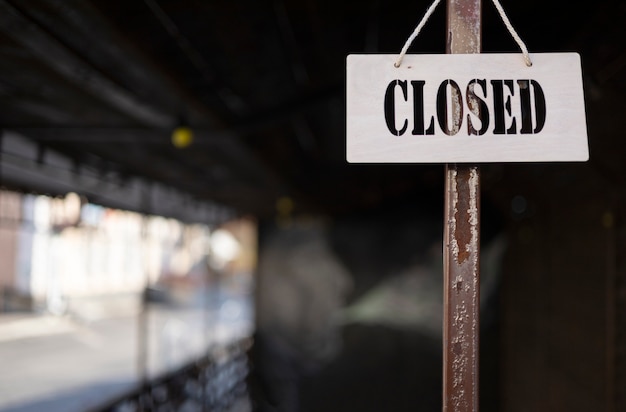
(461, 242)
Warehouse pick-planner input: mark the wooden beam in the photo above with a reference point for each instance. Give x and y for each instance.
(22, 30)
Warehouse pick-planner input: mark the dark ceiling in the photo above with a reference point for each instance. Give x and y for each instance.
(262, 85)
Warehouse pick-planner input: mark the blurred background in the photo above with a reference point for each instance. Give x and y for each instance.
(179, 229)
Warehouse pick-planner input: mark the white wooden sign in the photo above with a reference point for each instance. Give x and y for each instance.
(507, 111)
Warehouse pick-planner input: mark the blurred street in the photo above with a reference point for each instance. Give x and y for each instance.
(64, 364)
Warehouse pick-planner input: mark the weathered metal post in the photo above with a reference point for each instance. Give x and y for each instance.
(461, 242)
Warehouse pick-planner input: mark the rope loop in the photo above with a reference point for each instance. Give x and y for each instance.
(501, 12)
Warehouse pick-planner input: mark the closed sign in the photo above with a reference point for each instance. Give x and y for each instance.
(458, 108)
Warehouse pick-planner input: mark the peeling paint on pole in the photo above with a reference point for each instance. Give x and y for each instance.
(461, 244)
(461, 294)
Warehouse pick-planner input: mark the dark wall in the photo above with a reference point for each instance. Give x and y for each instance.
(562, 339)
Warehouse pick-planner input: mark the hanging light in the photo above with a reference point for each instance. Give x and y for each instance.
(182, 135)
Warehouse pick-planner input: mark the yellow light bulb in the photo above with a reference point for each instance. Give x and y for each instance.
(182, 137)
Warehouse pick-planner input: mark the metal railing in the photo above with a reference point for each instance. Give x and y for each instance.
(214, 383)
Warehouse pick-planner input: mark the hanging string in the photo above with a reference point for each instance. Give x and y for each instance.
(417, 30)
(516, 37)
(503, 16)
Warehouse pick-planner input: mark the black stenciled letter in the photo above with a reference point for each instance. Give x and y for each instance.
(477, 106)
(390, 106)
(540, 106)
(418, 110)
(526, 109)
(499, 107)
(442, 107)
(524, 98)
